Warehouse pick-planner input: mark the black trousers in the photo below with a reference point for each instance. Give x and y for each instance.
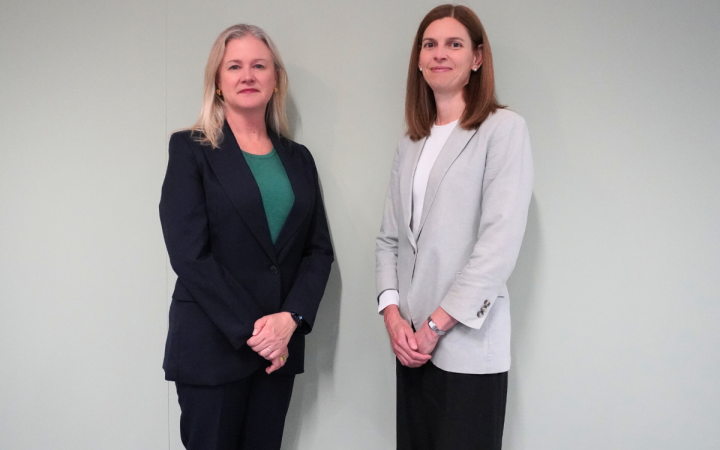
(248, 414)
(438, 410)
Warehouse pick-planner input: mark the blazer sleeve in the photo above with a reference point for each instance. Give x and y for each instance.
(309, 285)
(386, 244)
(184, 222)
(507, 190)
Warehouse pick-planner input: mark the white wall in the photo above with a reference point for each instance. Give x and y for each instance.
(615, 294)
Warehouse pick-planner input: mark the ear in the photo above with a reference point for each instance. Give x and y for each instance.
(477, 60)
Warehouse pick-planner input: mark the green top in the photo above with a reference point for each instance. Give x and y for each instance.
(275, 189)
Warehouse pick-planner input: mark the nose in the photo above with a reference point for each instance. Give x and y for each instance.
(246, 75)
(439, 54)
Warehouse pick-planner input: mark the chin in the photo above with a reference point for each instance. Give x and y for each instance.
(251, 106)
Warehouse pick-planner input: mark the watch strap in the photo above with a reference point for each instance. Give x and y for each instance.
(433, 326)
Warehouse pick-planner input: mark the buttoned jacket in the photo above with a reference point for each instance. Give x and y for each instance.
(230, 273)
(467, 242)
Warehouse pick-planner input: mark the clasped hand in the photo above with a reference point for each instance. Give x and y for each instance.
(271, 336)
(412, 349)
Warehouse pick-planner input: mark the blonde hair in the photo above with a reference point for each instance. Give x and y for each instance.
(208, 128)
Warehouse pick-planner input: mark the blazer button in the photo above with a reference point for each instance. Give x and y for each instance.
(273, 270)
(487, 303)
(481, 313)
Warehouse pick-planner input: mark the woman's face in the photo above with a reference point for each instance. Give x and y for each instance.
(247, 76)
(447, 56)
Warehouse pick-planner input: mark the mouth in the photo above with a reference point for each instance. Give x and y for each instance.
(437, 69)
(249, 91)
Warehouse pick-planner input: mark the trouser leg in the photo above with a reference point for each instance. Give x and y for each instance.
(212, 416)
(248, 414)
(439, 410)
(467, 410)
(267, 408)
(413, 427)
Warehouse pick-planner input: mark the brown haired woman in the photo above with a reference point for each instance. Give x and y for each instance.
(245, 228)
(453, 224)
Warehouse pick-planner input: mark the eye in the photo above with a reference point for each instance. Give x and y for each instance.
(259, 66)
(234, 67)
(427, 45)
(455, 44)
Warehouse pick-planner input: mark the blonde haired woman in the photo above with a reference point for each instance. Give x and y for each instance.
(245, 228)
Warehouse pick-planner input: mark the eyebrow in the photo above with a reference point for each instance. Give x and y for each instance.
(252, 61)
(447, 39)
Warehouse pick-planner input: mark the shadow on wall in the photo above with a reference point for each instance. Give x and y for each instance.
(522, 285)
(523, 83)
(320, 349)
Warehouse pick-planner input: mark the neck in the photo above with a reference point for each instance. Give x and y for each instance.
(449, 106)
(247, 126)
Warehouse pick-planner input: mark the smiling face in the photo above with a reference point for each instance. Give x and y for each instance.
(247, 76)
(447, 56)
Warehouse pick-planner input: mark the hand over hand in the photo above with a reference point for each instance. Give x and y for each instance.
(402, 339)
(272, 334)
(278, 362)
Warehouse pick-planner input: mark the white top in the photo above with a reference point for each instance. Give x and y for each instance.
(439, 134)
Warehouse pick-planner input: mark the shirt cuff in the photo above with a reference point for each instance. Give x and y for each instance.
(388, 297)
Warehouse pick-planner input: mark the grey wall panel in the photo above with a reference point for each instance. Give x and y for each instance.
(618, 276)
(82, 271)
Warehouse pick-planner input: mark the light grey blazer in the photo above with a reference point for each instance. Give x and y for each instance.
(470, 232)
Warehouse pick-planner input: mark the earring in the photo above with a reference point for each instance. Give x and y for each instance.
(475, 69)
(276, 90)
(420, 69)
(219, 93)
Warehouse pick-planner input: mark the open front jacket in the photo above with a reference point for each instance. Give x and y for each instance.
(468, 239)
(229, 271)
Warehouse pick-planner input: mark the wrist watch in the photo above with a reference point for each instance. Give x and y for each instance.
(297, 318)
(434, 327)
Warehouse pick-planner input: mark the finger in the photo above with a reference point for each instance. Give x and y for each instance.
(259, 345)
(272, 344)
(263, 339)
(274, 366)
(401, 355)
(276, 354)
(277, 363)
(263, 335)
(403, 361)
(402, 342)
(259, 324)
(266, 353)
(419, 364)
(414, 357)
(267, 335)
(411, 338)
(256, 340)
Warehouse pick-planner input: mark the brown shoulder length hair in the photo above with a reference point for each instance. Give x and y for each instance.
(480, 100)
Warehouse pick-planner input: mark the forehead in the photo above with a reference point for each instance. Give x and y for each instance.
(445, 28)
(246, 48)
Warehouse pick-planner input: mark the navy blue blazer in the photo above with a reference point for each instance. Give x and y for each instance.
(229, 271)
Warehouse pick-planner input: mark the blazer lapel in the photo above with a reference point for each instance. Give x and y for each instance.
(302, 188)
(455, 144)
(235, 176)
(406, 184)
